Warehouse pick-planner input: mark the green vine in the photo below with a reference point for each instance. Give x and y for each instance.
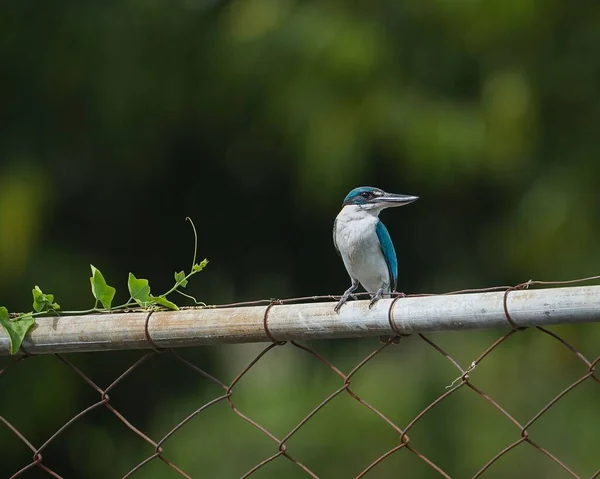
(17, 325)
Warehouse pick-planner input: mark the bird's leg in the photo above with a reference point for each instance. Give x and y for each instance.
(378, 295)
(346, 295)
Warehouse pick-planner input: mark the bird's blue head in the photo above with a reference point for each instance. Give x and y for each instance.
(369, 197)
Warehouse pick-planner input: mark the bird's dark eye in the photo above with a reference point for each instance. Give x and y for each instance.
(366, 194)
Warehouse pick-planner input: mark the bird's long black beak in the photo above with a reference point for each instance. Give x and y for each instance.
(391, 199)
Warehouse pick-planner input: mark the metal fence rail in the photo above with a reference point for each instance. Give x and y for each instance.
(286, 320)
(283, 323)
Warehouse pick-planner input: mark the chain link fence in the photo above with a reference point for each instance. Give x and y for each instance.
(371, 434)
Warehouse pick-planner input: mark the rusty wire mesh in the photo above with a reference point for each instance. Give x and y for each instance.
(281, 449)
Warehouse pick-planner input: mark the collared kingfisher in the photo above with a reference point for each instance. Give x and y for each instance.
(364, 243)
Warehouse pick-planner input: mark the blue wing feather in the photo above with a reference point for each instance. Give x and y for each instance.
(389, 253)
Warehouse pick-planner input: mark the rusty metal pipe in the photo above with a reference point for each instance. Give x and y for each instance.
(309, 321)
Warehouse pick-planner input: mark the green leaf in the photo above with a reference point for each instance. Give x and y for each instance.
(15, 328)
(139, 289)
(180, 279)
(140, 292)
(162, 301)
(43, 302)
(200, 266)
(101, 291)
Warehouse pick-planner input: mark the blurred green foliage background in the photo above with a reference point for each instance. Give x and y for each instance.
(255, 117)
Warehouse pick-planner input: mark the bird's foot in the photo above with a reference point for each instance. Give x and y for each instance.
(376, 297)
(341, 303)
(345, 297)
